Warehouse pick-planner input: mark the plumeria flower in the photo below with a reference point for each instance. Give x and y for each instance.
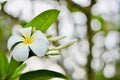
(25, 40)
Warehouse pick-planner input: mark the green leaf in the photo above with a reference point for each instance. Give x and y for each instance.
(3, 65)
(12, 67)
(0, 77)
(17, 72)
(44, 20)
(41, 75)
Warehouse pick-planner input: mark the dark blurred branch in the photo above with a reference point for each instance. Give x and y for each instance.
(3, 14)
(90, 33)
(72, 5)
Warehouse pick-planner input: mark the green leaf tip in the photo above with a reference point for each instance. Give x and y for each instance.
(44, 20)
(42, 75)
(13, 65)
(3, 65)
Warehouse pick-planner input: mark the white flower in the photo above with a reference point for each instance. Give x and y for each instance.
(36, 63)
(25, 40)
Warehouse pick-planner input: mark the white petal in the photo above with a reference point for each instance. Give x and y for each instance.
(20, 52)
(26, 31)
(12, 40)
(39, 47)
(16, 28)
(33, 63)
(39, 35)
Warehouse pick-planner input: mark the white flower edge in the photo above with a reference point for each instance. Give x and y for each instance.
(36, 63)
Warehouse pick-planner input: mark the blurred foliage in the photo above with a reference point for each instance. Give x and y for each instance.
(106, 27)
(6, 24)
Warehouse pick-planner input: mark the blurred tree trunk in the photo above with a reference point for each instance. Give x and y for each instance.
(87, 11)
(90, 35)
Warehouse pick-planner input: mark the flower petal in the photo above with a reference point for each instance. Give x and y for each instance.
(20, 52)
(39, 47)
(13, 40)
(26, 31)
(15, 29)
(39, 35)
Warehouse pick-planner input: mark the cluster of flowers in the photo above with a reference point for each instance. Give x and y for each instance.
(27, 41)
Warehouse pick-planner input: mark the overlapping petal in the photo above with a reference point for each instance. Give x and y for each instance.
(20, 52)
(13, 40)
(39, 35)
(39, 47)
(25, 31)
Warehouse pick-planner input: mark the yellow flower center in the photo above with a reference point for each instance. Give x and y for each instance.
(28, 40)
